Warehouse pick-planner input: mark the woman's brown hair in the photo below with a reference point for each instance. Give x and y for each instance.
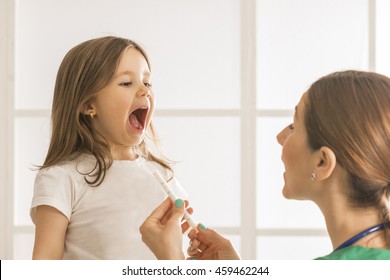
(87, 68)
(349, 112)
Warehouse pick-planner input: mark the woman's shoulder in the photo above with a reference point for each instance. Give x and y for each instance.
(358, 253)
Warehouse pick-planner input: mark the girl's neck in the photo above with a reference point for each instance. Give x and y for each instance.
(123, 153)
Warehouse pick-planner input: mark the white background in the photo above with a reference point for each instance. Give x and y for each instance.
(226, 73)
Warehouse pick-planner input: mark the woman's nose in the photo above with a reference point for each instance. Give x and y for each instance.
(281, 137)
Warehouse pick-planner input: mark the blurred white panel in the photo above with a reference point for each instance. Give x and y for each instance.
(208, 153)
(300, 41)
(382, 37)
(31, 143)
(293, 247)
(23, 246)
(273, 210)
(194, 46)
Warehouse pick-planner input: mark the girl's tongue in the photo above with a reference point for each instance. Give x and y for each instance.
(134, 122)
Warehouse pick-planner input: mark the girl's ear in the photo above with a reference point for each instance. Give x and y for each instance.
(326, 163)
(89, 109)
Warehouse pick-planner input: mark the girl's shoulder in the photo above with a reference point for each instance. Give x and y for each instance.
(78, 165)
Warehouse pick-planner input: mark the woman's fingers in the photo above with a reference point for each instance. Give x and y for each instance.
(162, 210)
(177, 212)
(192, 234)
(168, 215)
(193, 248)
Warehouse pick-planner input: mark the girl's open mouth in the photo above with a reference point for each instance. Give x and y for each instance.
(137, 118)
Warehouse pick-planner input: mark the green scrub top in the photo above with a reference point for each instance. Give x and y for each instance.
(358, 253)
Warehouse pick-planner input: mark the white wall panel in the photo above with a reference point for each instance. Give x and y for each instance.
(23, 246)
(194, 46)
(382, 37)
(32, 136)
(300, 41)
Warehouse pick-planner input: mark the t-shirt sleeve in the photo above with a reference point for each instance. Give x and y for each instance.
(53, 187)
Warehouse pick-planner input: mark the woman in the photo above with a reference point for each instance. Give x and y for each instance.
(336, 154)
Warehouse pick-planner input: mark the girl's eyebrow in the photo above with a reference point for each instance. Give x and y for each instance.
(145, 73)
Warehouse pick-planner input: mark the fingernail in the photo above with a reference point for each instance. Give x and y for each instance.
(193, 259)
(179, 203)
(202, 226)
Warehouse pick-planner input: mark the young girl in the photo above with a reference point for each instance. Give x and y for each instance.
(96, 186)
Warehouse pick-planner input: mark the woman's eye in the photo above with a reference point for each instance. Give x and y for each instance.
(126, 84)
(148, 85)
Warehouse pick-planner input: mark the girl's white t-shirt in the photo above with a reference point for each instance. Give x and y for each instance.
(104, 221)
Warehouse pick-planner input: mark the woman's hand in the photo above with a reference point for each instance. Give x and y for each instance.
(207, 244)
(162, 230)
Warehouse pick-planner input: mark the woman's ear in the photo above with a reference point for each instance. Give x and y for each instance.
(326, 163)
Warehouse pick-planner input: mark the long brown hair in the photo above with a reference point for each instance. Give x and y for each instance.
(87, 68)
(350, 113)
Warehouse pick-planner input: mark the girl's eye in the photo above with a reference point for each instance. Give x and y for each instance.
(291, 126)
(126, 84)
(148, 85)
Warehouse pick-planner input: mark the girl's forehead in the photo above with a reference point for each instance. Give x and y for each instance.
(132, 61)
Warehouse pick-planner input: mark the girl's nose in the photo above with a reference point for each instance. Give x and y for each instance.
(143, 91)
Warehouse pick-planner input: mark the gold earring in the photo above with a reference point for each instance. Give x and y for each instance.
(313, 177)
(91, 114)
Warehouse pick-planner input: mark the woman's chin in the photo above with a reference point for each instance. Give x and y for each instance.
(286, 193)
(291, 195)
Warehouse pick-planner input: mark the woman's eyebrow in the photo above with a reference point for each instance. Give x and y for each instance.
(296, 112)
